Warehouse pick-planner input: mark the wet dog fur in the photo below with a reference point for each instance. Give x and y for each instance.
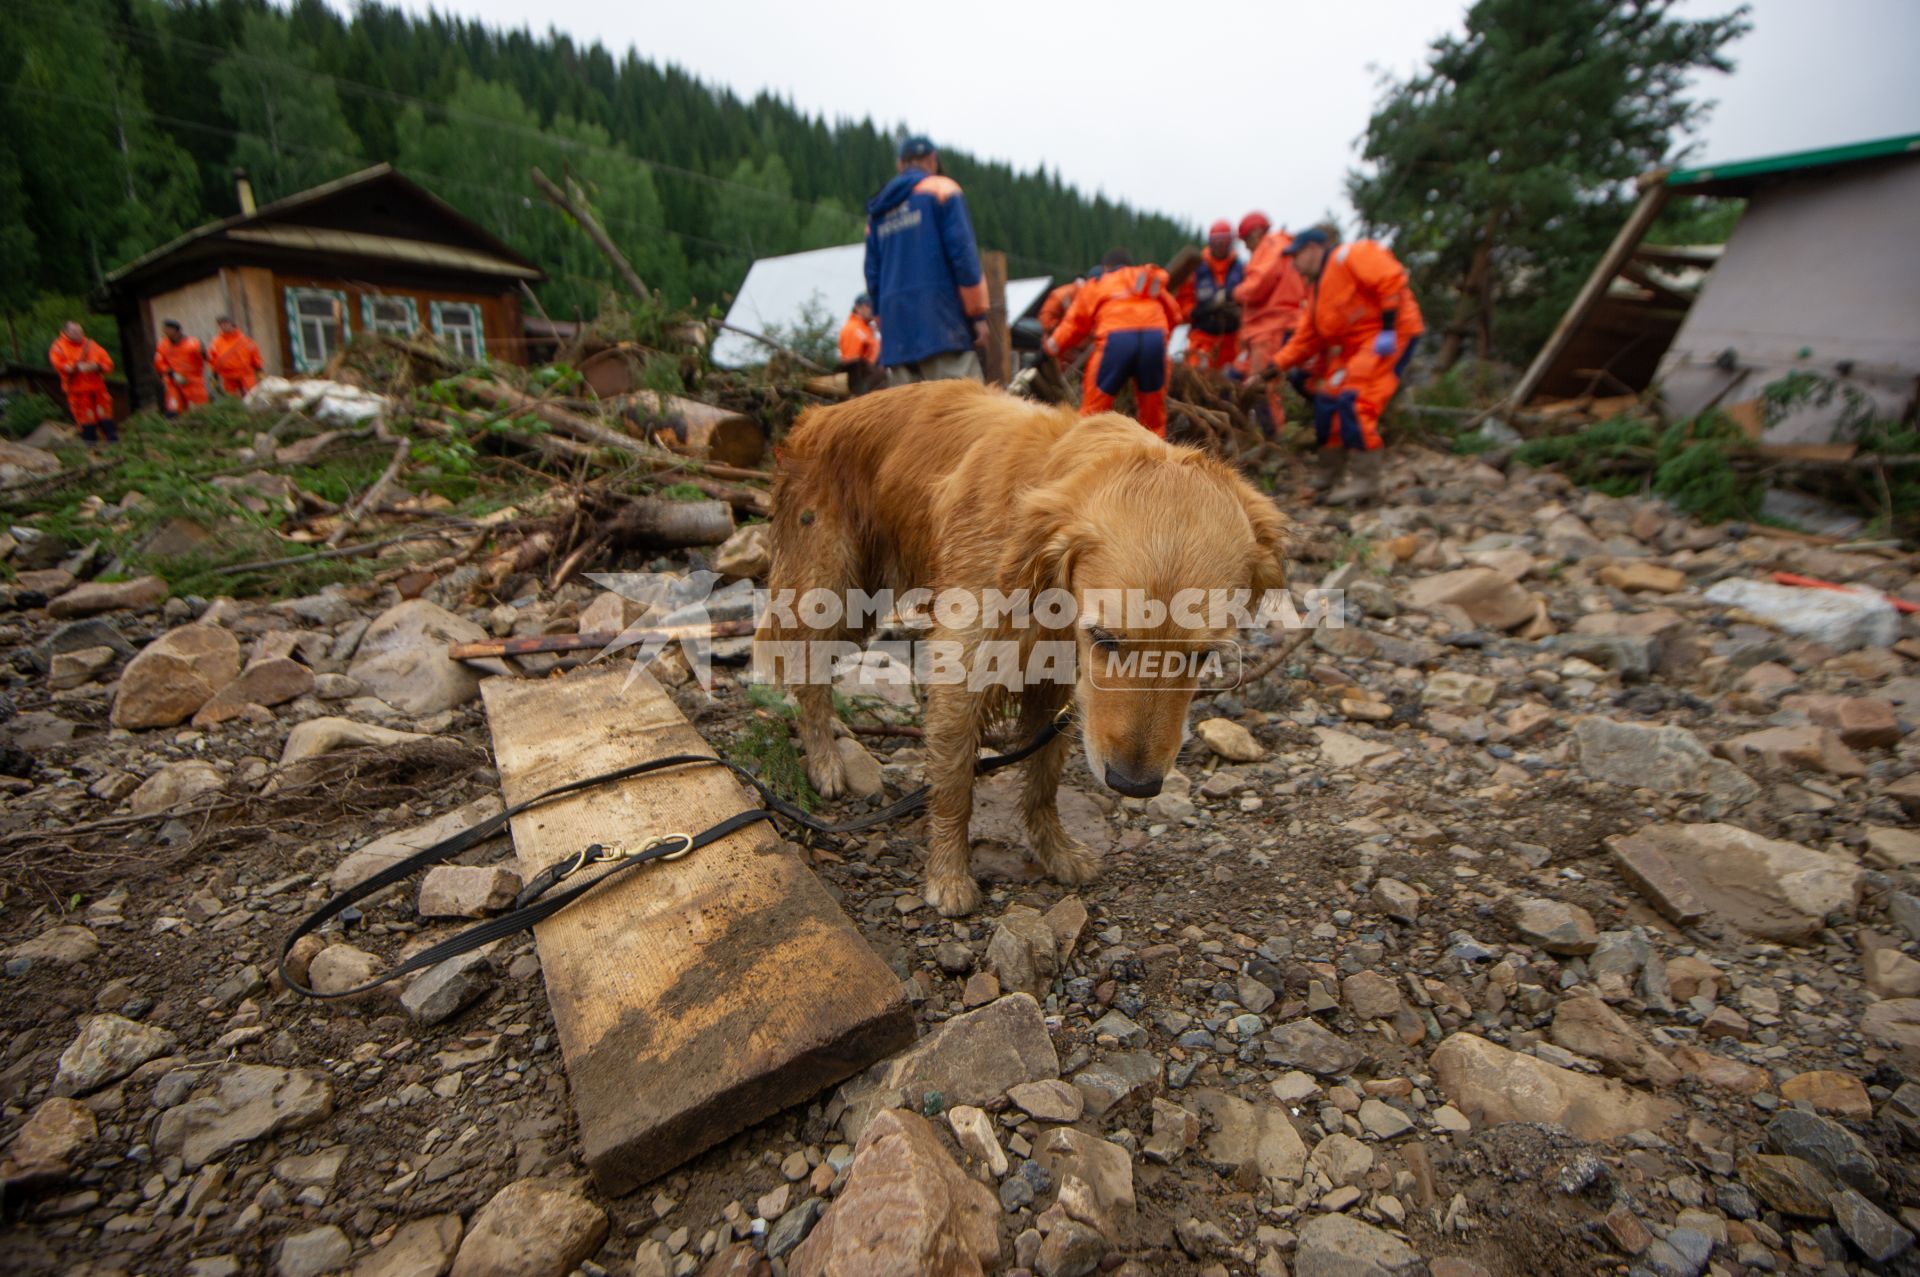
(951, 484)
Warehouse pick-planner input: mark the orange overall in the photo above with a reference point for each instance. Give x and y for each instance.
(86, 390)
(236, 361)
(1269, 300)
(1359, 284)
(1129, 311)
(183, 374)
(1211, 351)
(1058, 302)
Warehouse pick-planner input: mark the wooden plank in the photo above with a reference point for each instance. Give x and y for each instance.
(1652, 200)
(694, 997)
(998, 356)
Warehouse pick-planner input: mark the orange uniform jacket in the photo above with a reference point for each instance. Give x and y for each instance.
(1058, 302)
(859, 343)
(1124, 298)
(184, 359)
(236, 361)
(1341, 318)
(66, 353)
(1271, 294)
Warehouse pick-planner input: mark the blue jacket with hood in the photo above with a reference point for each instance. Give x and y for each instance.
(923, 268)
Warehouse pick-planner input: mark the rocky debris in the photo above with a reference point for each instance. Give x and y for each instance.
(1024, 953)
(1589, 1027)
(971, 1059)
(1048, 1100)
(906, 1208)
(175, 785)
(1101, 1165)
(1342, 1246)
(63, 946)
(465, 891)
(1306, 1044)
(109, 1047)
(403, 658)
(389, 849)
(1119, 1082)
(1766, 887)
(1491, 1084)
(1841, 620)
(49, 1143)
(1801, 748)
(747, 553)
(319, 736)
(1873, 1232)
(266, 682)
(1556, 926)
(1894, 1022)
(974, 1130)
(175, 675)
(1486, 597)
(1230, 740)
(313, 1252)
(418, 1248)
(1788, 1184)
(1827, 1145)
(77, 668)
(1638, 578)
(445, 989)
(1344, 750)
(1829, 1091)
(1667, 760)
(531, 1228)
(237, 1104)
(1243, 1134)
(93, 597)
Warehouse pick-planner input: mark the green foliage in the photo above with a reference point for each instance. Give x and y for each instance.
(29, 331)
(682, 492)
(293, 132)
(24, 413)
(1696, 219)
(815, 333)
(766, 749)
(1502, 170)
(1689, 462)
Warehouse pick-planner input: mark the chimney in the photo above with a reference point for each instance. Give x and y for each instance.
(244, 189)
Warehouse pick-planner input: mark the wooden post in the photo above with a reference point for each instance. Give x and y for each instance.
(1653, 198)
(998, 356)
(692, 998)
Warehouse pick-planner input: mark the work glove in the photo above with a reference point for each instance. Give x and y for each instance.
(1384, 342)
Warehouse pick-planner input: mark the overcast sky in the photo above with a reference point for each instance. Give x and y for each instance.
(1203, 113)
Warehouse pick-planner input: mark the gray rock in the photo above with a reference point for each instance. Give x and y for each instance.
(1556, 926)
(419, 1248)
(63, 946)
(1827, 1145)
(403, 659)
(308, 1254)
(1071, 1250)
(1341, 1246)
(1668, 760)
(1259, 1136)
(238, 1104)
(1119, 1082)
(792, 1228)
(1838, 619)
(971, 1059)
(1102, 1165)
(1117, 1026)
(1049, 1101)
(1023, 952)
(109, 1047)
(1305, 1044)
(1872, 1231)
(444, 989)
(531, 1228)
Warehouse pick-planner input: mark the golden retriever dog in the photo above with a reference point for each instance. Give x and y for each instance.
(951, 486)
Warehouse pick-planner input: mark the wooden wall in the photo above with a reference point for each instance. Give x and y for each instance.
(500, 312)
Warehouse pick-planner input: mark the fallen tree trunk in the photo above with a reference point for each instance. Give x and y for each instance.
(696, 429)
(657, 523)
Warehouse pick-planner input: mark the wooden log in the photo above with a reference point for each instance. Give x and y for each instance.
(664, 524)
(831, 385)
(696, 429)
(998, 355)
(696, 997)
(571, 423)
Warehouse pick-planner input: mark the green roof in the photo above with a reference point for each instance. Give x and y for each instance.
(1826, 157)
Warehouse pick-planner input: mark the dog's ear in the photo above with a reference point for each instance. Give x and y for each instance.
(1046, 537)
(1271, 529)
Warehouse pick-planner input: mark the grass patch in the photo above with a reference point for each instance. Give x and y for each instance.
(767, 750)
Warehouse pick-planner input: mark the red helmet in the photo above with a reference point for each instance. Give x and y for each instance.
(1221, 227)
(1255, 221)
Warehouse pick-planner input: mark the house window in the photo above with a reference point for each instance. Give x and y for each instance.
(395, 316)
(458, 324)
(317, 322)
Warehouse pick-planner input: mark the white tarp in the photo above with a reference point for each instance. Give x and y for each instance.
(779, 291)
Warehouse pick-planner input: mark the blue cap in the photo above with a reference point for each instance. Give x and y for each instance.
(1312, 235)
(916, 146)
(863, 300)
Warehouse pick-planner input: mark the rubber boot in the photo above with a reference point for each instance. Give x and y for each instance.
(1363, 479)
(1329, 466)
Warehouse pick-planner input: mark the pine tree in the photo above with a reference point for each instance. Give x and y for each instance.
(293, 132)
(1501, 171)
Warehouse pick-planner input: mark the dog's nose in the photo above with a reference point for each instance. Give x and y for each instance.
(1132, 786)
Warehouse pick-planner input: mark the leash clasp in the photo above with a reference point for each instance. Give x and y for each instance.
(658, 840)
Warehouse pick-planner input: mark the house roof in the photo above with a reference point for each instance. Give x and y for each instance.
(778, 292)
(1735, 178)
(279, 225)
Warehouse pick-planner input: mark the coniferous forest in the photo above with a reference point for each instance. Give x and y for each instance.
(125, 119)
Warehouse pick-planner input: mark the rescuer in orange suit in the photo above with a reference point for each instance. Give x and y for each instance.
(83, 365)
(182, 366)
(235, 359)
(1129, 311)
(1206, 301)
(1058, 302)
(1356, 333)
(1269, 297)
(860, 349)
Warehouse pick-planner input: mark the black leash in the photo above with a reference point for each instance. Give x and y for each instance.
(534, 905)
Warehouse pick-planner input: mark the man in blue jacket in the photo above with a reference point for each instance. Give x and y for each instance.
(923, 273)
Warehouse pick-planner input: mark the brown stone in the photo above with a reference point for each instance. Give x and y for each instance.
(1829, 1091)
(1787, 1184)
(1493, 1085)
(1863, 722)
(175, 675)
(272, 680)
(906, 1208)
(1718, 1070)
(1589, 1027)
(1639, 577)
(95, 597)
(531, 1228)
(1804, 748)
(1488, 597)
(49, 1143)
(1770, 889)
